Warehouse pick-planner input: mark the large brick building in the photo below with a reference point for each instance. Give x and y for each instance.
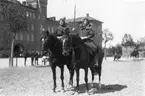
(37, 12)
(27, 40)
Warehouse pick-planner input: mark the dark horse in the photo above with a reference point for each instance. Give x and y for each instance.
(135, 53)
(82, 57)
(52, 43)
(117, 57)
(25, 55)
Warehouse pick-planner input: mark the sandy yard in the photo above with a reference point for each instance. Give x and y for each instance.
(119, 78)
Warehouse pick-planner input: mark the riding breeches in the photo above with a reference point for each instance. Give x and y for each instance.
(91, 45)
(93, 48)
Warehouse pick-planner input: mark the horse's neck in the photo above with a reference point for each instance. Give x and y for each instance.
(83, 52)
(56, 49)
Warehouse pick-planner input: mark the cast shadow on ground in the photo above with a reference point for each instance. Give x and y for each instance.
(104, 89)
(135, 60)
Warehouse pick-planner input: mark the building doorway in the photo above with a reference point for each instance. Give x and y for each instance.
(18, 49)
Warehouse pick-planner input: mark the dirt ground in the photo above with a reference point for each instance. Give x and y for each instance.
(119, 78)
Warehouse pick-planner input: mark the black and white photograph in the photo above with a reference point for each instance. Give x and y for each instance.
(72, 47)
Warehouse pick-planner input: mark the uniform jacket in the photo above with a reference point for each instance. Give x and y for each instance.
(61, 30)
(87, 31)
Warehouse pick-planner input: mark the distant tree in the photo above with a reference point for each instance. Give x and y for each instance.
(17, 22)
(114, 49)
(110, 51)
(127, 40)
(107, 36)
(141, 41)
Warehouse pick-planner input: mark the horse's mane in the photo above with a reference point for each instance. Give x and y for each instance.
(76, 39)
(54, 37)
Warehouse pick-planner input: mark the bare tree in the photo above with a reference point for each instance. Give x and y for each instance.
(141, 41)
(107, 36)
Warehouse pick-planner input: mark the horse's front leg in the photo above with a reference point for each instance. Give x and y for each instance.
(62, 77)
(71, 77)
(37, 61)
(99, 73)
(77, 78)
(54, 77)
(71, 72)
(25, 59)
(32, 61)
(86, 78)
(92, 72)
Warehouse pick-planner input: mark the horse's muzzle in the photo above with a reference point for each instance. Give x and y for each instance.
(65, 53)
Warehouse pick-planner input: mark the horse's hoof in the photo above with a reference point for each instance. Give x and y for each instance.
(62, 90)
(76, 93)
(54, 90)
(92, 85)
(87, 91)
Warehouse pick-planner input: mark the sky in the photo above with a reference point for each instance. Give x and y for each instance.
(119, 16)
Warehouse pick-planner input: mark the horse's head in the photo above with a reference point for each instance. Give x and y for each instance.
(66, 45)
(47, 41)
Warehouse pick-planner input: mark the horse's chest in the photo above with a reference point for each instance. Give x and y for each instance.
(81, 54)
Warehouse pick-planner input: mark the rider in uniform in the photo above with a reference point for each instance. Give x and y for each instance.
(87, 34)
(62, 29)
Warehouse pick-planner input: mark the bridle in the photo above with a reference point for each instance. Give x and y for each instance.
(70, 43)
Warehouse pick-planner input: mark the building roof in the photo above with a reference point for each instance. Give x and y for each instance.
(80, 19)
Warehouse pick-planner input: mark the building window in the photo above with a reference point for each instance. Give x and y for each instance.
(41, 28)
(43, 17)
(39, 17)
(21, 36)
(27, 13)
(33, 15)
(32, 27)
(48, 28)
(52, 29)
(99, 27)
(28, 27)
(28, 36)
(30, 14)
(1, 17)
(1, 37)
(16, 36)
(32, 37)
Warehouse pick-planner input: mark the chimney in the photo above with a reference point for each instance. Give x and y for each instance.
(87, 15)
(24, 3)
(32, 2)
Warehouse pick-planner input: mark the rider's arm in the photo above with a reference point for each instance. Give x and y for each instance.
(91, 33)
(67, 30)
